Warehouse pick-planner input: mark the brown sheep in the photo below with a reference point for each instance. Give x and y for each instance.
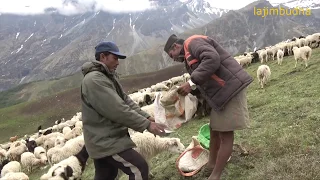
(13, 139)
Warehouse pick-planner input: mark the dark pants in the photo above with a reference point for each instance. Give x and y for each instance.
(129, 161)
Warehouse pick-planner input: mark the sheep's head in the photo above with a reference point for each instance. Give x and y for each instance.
(60, 141)
(65, 172)
(175, 145)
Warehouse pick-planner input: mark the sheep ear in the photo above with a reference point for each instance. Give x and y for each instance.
(69, 171)
(174, 142)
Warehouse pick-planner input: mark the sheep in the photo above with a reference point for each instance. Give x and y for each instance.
(70, 168)
(12, 166)
(303, 53)
(280, 56)
(15, 176)
(263, 55)
(56, 149)
(150, 146)
(78, 124)
(3, 154)
(65, 130)
(28, 160)
(246, 60)
(40, 153)
(16, 149)
(168, 83)
(31, 144)
(160, 87)
(263, 75)
(77, 131)
(14, 138)
(5, 146)
(176, 80)
(71, 147)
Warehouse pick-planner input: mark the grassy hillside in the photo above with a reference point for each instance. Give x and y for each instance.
(39, 89)
(45, 110)
(283, 140)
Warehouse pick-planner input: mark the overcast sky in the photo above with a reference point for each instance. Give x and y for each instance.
(37, 6)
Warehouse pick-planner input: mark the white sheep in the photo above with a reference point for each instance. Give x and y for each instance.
(263, 74)
(3, 155)
(65, 130)
(12, 166)
(5, 146)
(160, 87)
(77, 131)
(15, 151)
(176, 80)
(303, 53)
(28, 160)
(280, 55)
(70, 168)
(150, 146)
(70, 148)
(41, 154)
(263, 56)
(15, 176)
(79, 124)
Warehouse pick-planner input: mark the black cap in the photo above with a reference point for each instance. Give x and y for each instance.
(172, 39)
(109, 47)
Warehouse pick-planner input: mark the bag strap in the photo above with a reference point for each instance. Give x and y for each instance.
(188, 174)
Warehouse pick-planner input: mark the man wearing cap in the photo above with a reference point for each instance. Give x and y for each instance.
(223, 83)
(107, 113)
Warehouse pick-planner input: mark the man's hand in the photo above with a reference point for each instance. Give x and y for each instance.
(157, 129)
(184, 89)
(151, 119)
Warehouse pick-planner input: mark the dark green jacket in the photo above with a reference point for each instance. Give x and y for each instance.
(107, 112)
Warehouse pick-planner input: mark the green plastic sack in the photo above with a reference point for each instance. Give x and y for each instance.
(204, 136)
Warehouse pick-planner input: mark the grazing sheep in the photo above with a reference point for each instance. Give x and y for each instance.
(12, 166)
(70, 168)
(263, 74)
(303, 53)
(70, 148)
(77, 131)
(15, 176)
(16, 149)
(3, 155)
(14, 138)
(29, 160)
(78, 124)
(65, 130)
(280, 56)
(263, 55)
(5, 146)
(40, 153)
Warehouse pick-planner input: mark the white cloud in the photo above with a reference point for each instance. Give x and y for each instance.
(30, 7)
(37, 6)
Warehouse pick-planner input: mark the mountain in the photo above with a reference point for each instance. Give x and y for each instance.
(312, 4)
(52, 45)
(242, 30)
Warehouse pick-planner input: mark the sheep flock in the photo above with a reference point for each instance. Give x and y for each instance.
(300, 48)
(62, 149)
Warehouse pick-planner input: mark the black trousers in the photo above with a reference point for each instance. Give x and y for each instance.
(129, 161)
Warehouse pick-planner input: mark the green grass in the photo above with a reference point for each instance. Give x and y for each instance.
(283, 139)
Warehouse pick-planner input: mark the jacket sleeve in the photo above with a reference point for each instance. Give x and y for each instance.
(105, 100)
(209, 60)
(134, 106)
